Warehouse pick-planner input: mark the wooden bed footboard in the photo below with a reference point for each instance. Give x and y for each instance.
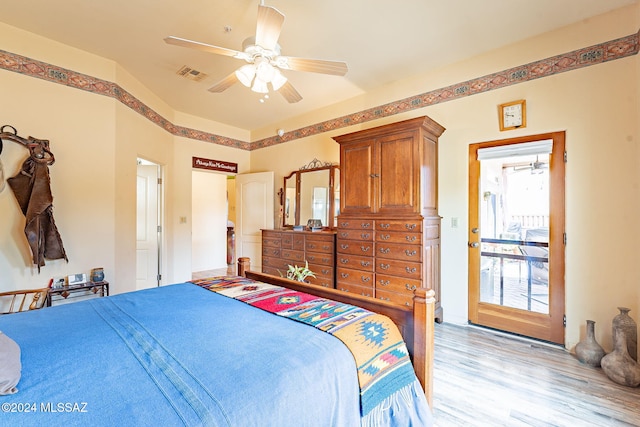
(415, 323)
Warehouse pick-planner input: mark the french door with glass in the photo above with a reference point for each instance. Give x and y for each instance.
(516, 235)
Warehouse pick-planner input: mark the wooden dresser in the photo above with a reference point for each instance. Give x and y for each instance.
(281, 248)
(388, 239)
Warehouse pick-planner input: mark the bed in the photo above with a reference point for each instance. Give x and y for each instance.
(207, 353)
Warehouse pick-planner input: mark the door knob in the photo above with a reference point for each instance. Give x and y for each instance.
(474, 244)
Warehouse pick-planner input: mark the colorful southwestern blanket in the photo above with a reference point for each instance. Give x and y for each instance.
(382, 359)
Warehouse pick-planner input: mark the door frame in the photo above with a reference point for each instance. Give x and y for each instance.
(547, 327)
(158, 213)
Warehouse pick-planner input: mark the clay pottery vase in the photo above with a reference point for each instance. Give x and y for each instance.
(618, 365)
(628, 326)
(588, 350)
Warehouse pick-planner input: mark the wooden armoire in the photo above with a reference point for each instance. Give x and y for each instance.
(388, 237)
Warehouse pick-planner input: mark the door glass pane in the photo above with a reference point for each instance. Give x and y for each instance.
(514, 224)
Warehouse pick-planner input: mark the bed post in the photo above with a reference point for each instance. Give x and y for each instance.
(423, 330)
(244, 265)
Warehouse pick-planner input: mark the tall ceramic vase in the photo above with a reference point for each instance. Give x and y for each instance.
(588, 350)
(627, 325)
(618, 365)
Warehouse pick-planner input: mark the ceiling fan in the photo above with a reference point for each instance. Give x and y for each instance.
(535, 167)
(264, 62)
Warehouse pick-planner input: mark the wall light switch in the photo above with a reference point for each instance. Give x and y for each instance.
(183, 220)
(454, 222)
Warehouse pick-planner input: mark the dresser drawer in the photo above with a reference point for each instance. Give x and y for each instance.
(291, 255)
(405, 237)
(366, 291)
(356, 224)
(354, 277)
(354, 247)
(271, 241)
(324, 246)
(412, 270)
(298, 241)
(403, 299)
(277, 263)
(325, 271)
(414, 226)
(272, 271)
(355, 261)
(271, 251)
(325, 282)
(320, 258)
(397, 284)
(399, 251)
(353, 234)
(287, 240)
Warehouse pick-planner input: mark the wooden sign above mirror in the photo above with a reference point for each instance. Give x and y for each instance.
(311, 193)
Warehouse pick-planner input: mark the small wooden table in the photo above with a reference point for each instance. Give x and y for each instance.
(67, 291)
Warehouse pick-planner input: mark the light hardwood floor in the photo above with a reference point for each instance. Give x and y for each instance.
(482, 378)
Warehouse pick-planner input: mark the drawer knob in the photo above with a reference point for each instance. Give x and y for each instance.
(385, 237)
(384, 282)
(411, 288)
(344, 246)
(410, 253)
(365, 225)
(365, 263)
(344, 275)
(384, 266)
(365, 249)
(344, 235)
(365, 278)
(410, 226)
(365, 235)
(411, 270)
(411, 238)
(344, 260)
(385, 226)
(385, 250)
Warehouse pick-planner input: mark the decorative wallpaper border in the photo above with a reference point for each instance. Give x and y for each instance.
(586, 57)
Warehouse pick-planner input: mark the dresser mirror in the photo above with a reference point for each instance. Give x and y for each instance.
(312, 192)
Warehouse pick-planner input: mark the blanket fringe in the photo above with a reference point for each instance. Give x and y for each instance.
(403, 399)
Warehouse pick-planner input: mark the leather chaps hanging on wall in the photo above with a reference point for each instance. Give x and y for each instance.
(32, 189)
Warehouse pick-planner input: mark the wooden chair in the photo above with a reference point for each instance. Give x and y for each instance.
(19, 300)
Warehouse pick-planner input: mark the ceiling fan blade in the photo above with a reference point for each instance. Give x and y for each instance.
(336, 68)
(204, 47)
(290, 93)
(269, 25)
(224, 84)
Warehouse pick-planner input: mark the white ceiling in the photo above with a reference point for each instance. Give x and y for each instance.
(381, 41)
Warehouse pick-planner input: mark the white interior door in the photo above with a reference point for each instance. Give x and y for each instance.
(209, 213)
(147, 230)
(254, 211)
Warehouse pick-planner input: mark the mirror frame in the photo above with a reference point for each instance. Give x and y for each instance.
(312, 167)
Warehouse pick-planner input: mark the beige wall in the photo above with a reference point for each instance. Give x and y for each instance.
(596, 106)
(96, 141)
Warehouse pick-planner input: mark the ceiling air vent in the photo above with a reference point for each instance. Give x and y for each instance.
(191, 74)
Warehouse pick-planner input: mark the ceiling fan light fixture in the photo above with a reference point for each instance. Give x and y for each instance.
(259, 86)
(278, 79)
(264, 70)
(245, 74)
